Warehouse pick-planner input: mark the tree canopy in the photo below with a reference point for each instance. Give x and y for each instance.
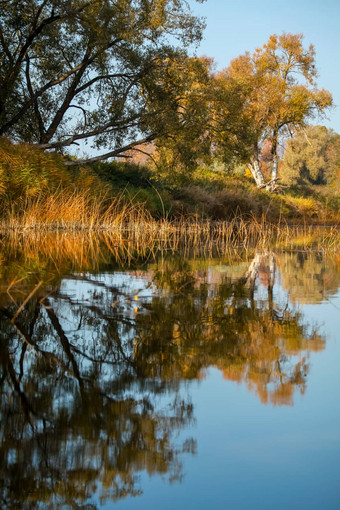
(278, 83)
(100, 71)
(312, 155)
(114, 75)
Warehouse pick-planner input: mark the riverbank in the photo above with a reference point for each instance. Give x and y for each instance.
(38, 191)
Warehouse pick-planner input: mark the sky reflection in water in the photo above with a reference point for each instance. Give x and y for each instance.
(219, 376)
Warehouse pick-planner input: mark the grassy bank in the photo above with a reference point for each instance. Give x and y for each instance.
(38, 191)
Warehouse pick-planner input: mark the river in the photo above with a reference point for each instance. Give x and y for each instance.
(166, 379)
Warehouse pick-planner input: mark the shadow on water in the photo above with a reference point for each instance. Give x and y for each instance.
(98, 338)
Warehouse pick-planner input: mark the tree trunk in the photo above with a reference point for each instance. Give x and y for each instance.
(272, 185)
(274, 168)
(256, 172)
(255, 168)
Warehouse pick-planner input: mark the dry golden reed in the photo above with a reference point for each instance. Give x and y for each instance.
(74, 210)
(128, 231)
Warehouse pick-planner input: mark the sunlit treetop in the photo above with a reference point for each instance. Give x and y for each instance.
(278, 83)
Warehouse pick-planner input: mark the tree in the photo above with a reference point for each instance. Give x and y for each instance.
(278, 86)
(216, 127)
(230, 126)
(87, 70)
(178, 99)
(312, 155)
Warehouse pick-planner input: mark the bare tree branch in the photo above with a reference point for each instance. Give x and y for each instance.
(112, 154)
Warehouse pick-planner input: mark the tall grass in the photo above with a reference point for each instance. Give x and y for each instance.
(74, 210)
(132, 230)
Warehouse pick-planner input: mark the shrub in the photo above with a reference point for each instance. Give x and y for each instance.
(28, 174)
(26, 171)
(123, 174)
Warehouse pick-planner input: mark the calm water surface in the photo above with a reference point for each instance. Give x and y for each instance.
(168, 381)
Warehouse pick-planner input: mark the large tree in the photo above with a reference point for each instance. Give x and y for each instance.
(215, 128)
(81, 70)
(279, 90)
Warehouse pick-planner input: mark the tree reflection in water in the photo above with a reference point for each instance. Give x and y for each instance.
(91, 368)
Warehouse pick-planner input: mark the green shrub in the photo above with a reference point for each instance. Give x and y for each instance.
(123, 174)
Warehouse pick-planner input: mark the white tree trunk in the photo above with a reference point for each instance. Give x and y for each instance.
(274, 168)
(256, 172)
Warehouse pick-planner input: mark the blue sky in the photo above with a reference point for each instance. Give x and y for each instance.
(234, 27)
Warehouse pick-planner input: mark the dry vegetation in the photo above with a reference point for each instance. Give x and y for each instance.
(74, 210)
(33, 258)
(146, 238)
(38, 193)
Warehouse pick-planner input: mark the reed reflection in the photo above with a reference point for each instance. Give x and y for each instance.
(92, 365)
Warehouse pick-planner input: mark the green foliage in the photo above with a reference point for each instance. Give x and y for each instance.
(312, 156)
(157, 202)
(212, 114)
(56, 57)
(217, 196)
(122, 174)
(137, 183)
(186, 114)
